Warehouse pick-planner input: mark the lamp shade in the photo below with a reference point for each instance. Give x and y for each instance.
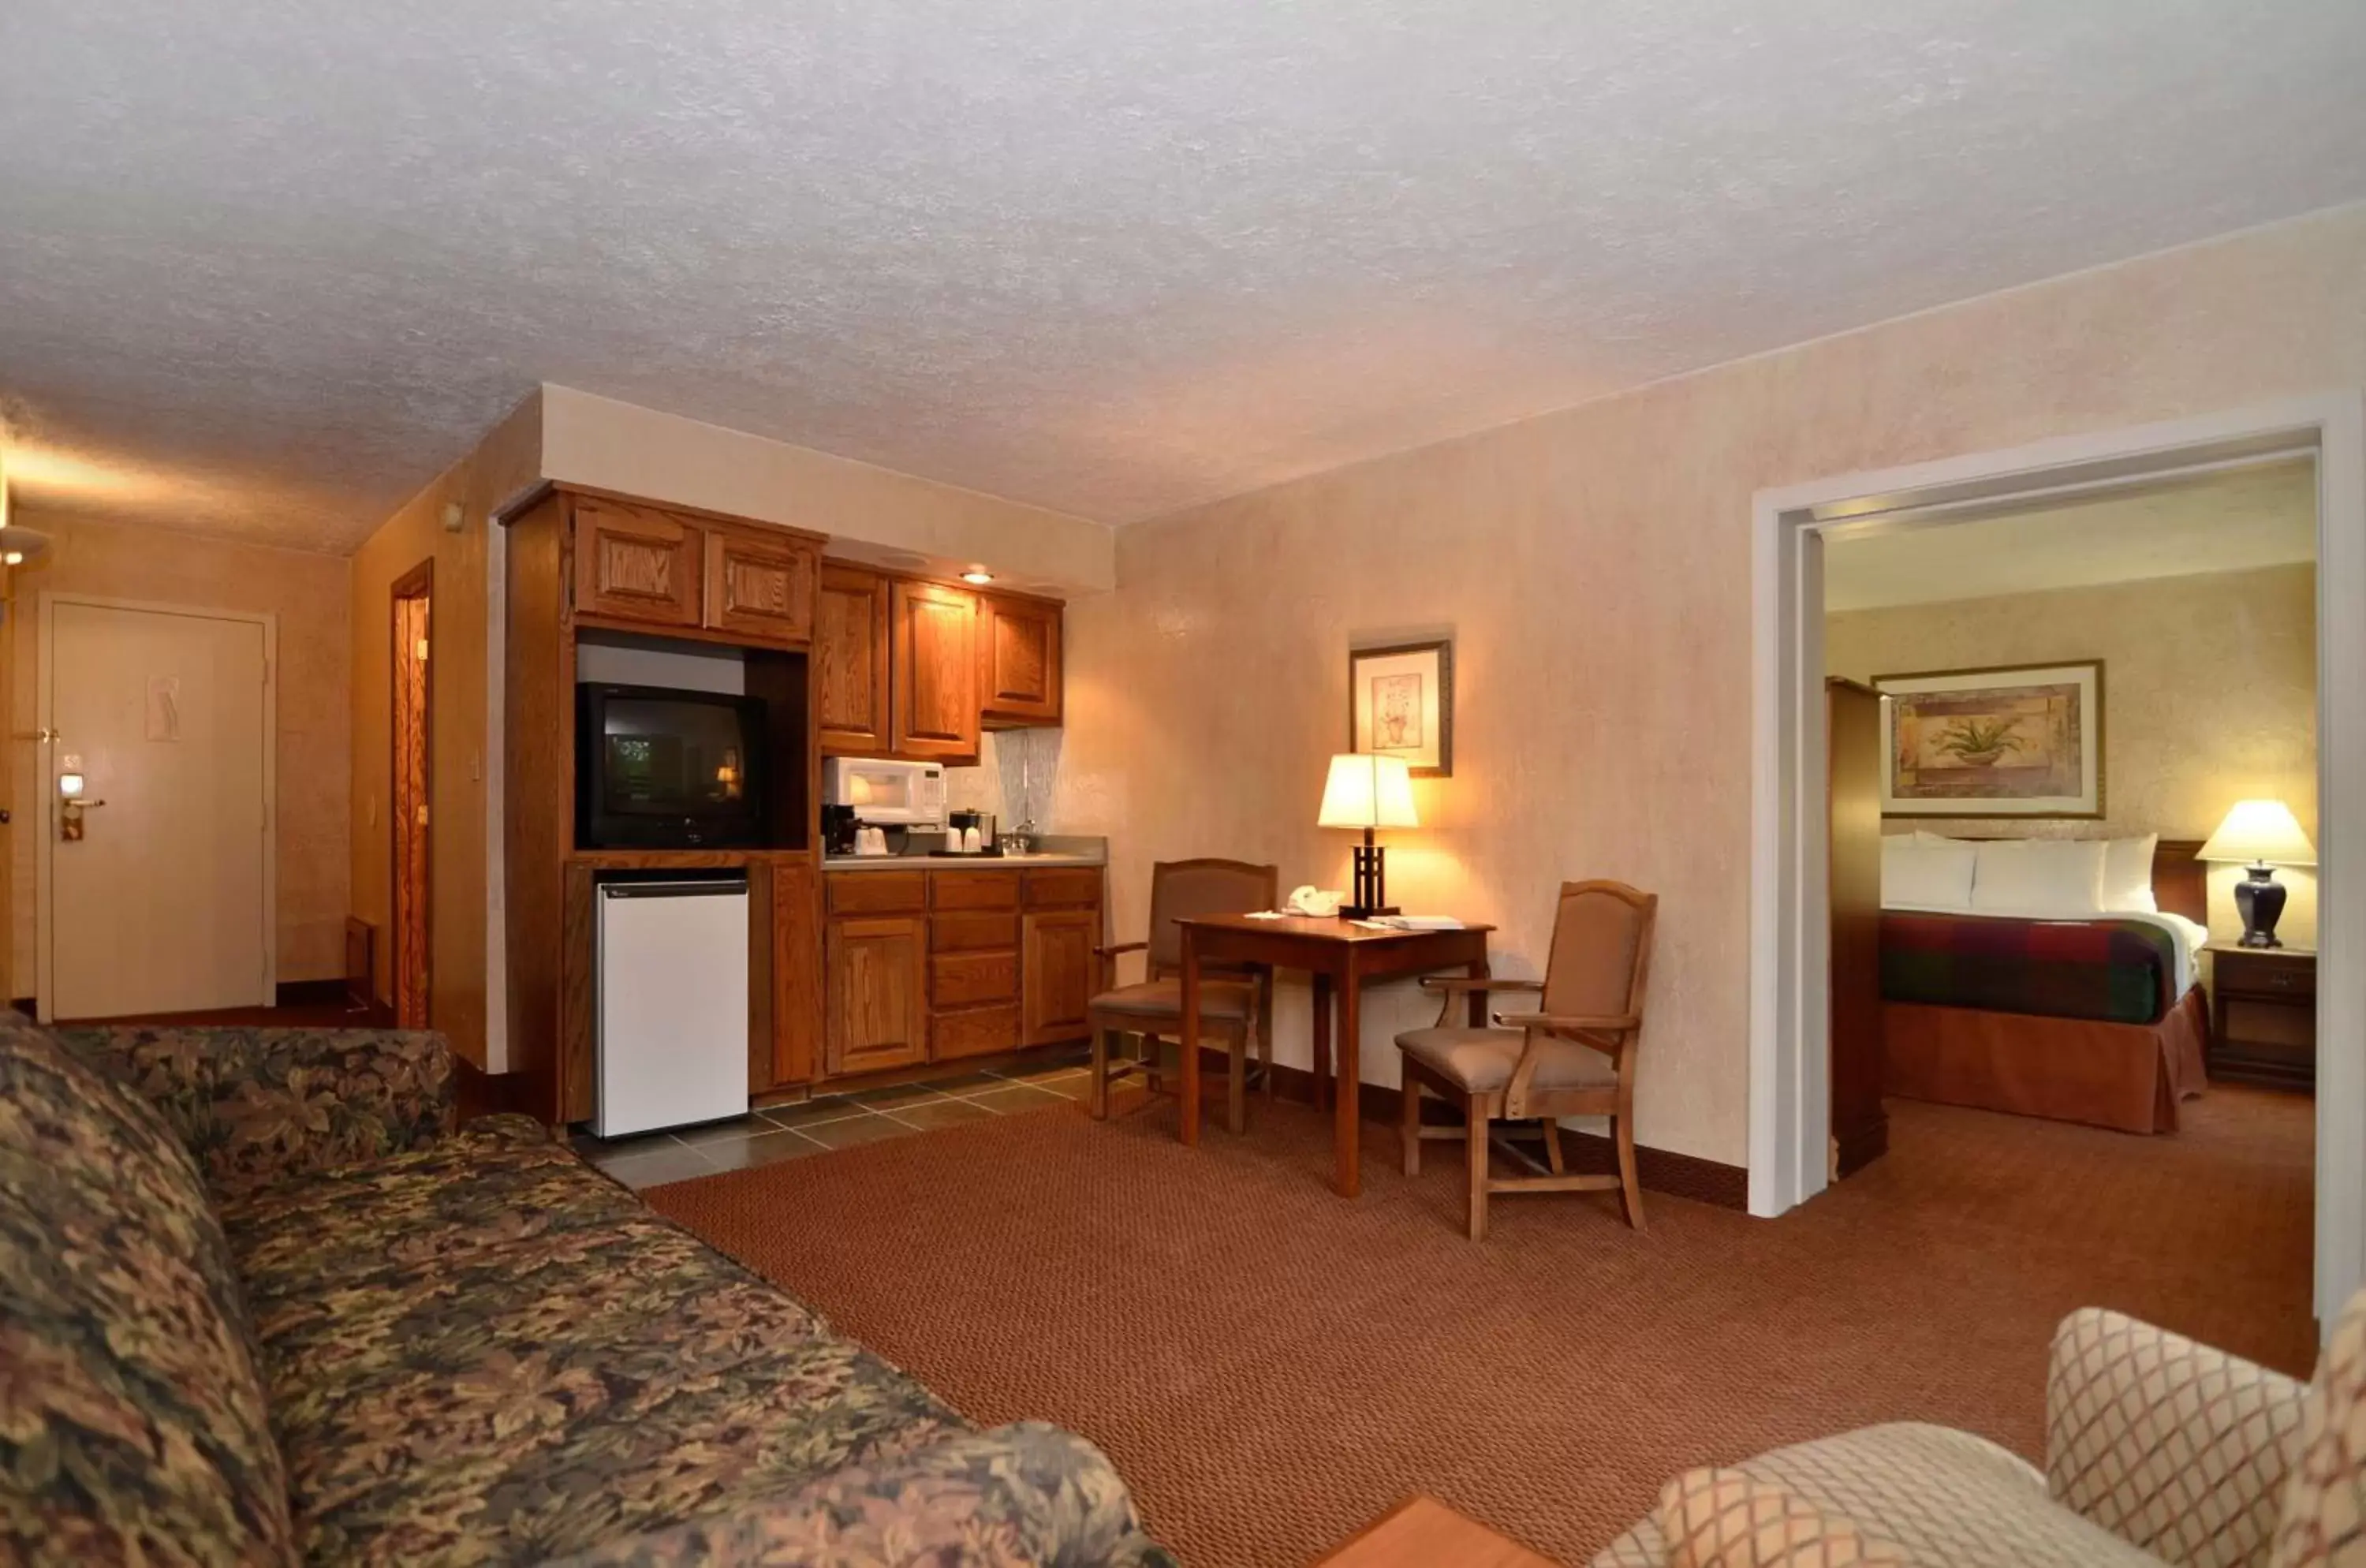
(1365, 791)
(2257, 830)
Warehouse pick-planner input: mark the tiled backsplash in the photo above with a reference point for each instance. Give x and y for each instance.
(1017, 770)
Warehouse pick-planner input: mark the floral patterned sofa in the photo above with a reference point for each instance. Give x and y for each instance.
(2159, 1451)
(260, 1304)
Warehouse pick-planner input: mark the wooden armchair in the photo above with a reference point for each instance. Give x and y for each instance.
(1574, 1056)
(1232, 1003)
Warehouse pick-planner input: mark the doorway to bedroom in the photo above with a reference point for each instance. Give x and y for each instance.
(2056, 728)
(2065, 681)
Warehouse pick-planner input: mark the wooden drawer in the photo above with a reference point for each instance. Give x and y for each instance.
(1069, 888)
(972, 933)
(2264, 972)
(965, 979)
(877, 892)
(976, 1032)
(973, 890)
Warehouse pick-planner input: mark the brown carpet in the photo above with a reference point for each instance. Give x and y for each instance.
(1271, 1366)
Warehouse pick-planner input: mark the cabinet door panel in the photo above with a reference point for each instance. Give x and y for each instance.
(1019, 660)
(633, 563)
(850, 661)
(759, 585)
(933, 672)
(878, 1014)
(1060, 973)
(797, 972)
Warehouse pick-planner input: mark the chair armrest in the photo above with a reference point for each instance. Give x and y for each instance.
(1460, 984)
(256, 1105)
(1028, 1493)
(1117, 947)
(1570, 1023)
(2128, 1405)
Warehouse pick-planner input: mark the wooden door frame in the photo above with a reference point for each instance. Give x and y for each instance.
(419, 582)
(1790, 1089)
(45, 773)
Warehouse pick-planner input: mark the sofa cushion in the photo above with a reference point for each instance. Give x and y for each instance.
(2324, 1521)
(1724, 1518)
(528, 1362)
(1938, 1495)
(133, 1424)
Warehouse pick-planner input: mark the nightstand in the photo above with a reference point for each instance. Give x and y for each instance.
(2263, 1016)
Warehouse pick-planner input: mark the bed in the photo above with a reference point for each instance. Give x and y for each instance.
(2085, 1017)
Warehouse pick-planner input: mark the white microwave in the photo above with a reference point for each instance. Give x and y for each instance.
(892, 794)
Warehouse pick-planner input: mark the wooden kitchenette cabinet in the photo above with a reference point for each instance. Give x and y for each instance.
(941, 965)
(913, 669)
(933, 714)
(1018, 661)
(683, 573)
(850, 663)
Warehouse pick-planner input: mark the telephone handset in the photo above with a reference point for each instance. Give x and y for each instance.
(1312, 900)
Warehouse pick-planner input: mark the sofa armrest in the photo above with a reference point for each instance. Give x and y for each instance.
(1023, 1494)
(256, 1105)
(2166, 1443)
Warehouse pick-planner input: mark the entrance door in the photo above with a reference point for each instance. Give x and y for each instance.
(162, 902)
(414, 726)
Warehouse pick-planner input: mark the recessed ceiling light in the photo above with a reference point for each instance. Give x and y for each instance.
(979, 578)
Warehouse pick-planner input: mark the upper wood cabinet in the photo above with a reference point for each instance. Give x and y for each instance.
(641, 566)
(760, 584)
(850, 661)
(635, 563)
(933, 712)
(1018, 661)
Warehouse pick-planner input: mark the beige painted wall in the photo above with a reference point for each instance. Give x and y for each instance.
(2209, 697)
(1595, 568)
(505, 463)
(308, 594)
(869, 512)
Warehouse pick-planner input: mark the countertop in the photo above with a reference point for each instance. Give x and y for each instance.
(1059, 851)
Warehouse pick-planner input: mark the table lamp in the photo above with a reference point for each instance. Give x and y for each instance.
(1368, 791)
(2265, 834)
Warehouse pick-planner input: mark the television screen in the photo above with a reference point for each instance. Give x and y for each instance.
(662, 769)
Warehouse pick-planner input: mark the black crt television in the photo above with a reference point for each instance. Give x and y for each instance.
(661, 769)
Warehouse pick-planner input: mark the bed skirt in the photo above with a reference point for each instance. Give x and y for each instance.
(2126, 1076)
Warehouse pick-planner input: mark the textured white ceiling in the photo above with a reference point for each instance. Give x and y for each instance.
(2233, 521)
(270, 264)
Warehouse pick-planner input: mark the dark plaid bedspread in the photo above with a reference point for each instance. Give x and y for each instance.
(2110, 970)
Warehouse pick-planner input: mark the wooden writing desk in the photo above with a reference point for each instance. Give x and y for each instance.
(1337, 953)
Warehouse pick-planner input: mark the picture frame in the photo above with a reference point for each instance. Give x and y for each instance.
(1401, 704)
(2020, 740)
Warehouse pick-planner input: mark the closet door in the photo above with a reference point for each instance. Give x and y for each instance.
(1853, 727)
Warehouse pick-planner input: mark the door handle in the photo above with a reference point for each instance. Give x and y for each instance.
(70, 819)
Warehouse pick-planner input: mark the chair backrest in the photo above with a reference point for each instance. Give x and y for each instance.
(1186, 889)
(1601, 950)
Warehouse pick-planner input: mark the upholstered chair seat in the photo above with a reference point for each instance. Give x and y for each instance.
(1482, 1060)
(1162, 998)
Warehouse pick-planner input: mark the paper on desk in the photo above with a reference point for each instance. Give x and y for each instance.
(1412, 923)
(1266, 915)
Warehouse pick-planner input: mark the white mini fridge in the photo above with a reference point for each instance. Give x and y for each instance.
(671, 1018)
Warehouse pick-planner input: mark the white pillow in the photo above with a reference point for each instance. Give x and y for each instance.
(2040, 877)
(1932, 877)
(2127, 874)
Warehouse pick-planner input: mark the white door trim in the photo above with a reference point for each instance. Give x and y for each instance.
(45, 773)
(1789, 1030)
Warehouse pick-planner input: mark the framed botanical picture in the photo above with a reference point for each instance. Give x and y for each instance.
(2017, 742)
(1401, 704)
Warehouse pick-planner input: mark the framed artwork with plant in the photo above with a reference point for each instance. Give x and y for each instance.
(1401, 704)
(2018, 740)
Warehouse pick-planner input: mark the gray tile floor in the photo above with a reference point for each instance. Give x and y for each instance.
(839, 1121)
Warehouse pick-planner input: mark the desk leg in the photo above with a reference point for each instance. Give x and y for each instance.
(1346, 1127)
(1478, 970)
(1321, 1041)
(1190, 1024)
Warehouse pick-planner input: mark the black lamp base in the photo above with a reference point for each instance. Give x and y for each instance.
(1371, 883)
(2259, 900)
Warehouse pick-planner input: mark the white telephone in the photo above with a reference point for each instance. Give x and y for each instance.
(1312, 900)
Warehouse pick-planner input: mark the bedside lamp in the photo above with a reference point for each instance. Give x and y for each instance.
(2265, 834)
(1368, 791)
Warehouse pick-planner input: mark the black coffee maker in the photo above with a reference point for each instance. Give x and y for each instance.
(838, 827)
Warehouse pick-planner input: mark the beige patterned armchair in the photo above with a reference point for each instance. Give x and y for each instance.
(2158, 1450)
